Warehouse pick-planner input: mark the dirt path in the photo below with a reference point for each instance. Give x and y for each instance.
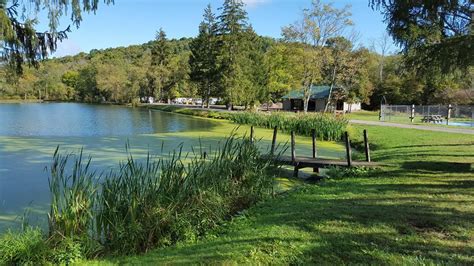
(429, 128)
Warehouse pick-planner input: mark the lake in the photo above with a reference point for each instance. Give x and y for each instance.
(29, 134)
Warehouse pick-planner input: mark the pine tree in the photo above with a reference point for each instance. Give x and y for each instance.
(160, 51)
(159, 73)
(203, 59)
(233, 51)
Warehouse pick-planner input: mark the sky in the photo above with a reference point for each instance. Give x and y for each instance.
(130, 22)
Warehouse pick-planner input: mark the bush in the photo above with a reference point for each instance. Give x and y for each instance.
(24, 248)
(328, 127)
(156, 202)
(343, 172)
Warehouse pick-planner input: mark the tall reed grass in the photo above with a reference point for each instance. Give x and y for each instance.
(157, 201)
(327, 126)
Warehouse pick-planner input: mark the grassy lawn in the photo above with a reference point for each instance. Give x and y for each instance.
(420, 210)
(374, 116)
(364, 115)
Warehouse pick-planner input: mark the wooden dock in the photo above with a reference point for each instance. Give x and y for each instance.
(316, 162)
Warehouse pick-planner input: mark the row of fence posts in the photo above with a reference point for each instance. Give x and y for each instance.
(314, 145)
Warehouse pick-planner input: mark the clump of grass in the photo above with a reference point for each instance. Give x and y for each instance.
(328, 127)
(342, 172)
(155, 202)
(72, 196)
(23, 248)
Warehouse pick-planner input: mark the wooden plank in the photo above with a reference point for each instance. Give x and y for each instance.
(309, 162)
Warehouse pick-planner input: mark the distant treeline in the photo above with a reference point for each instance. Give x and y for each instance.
(230, 61)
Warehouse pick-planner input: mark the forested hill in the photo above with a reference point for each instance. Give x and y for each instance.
(119, 73)
(114, 74)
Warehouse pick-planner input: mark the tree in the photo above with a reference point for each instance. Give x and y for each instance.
(19, 39)
(340, 52)
(203, 59)
(432, 33)
(159, 73)
(319, 23)
(383, 45)
(232, 53)
(281, 71)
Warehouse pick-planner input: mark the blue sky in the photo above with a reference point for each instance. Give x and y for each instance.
(136, 21)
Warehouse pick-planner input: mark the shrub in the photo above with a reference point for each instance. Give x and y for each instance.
(328, 127)
(24, 248)
(152, 203)
(72, 197)
(343, 172)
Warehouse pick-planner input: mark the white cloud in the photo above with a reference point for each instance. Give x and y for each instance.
(253, 3)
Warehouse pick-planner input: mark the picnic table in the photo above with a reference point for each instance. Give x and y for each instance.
(432, 119)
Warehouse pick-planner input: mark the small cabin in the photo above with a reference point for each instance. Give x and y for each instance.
(293, 101)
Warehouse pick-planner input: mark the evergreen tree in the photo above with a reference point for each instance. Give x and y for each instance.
(19, 40)
(434, 34)
(159, 73)
(233, 50)
(203, 59)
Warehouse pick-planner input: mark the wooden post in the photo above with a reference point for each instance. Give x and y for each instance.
(272, 151)
(293, 154)
(252, 133)
(293, 151)
(412, 116)
(204, 155)
(367, 147)
(313, 137)
(315, 151)
(348, 149)
(380, 112)
(448, 116)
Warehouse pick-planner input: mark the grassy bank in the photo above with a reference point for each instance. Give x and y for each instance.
(419, 211)
(327, 126)
(190, 111)
(142, 204)
(20, 101)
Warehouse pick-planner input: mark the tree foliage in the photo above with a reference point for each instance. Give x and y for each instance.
(204, 70)
(21, 42)
(434, 33)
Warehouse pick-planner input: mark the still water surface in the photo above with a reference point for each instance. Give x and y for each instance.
(83, 120)
(29, 134)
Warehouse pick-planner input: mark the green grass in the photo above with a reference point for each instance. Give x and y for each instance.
(364, 115)
(328, 127)
(374, 116)
(190, 111)
(418, 211)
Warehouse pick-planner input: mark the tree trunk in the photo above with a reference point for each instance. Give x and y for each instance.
(330, 89)
(208, 96)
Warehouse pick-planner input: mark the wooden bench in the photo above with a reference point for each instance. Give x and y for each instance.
(432, 119)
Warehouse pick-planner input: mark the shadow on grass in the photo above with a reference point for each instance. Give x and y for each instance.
(348, 221)
(434, 145)
(433, 166)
